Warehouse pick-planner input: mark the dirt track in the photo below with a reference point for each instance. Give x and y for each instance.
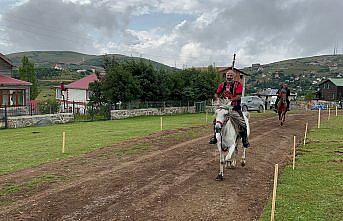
(172, 180)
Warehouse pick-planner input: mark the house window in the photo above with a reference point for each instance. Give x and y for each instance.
(12, 97)
(4, 99)
(58, 94)
(88, 95)
(333, 96)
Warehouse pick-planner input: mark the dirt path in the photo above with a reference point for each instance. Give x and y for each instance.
(169, 177)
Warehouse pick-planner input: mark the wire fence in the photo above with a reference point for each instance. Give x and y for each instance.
(87, 112)
(152, 104)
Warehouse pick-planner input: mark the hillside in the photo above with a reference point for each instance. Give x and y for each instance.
(71, 60)
(301, 74)
(70, 66)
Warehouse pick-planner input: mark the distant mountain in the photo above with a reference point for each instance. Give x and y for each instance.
(317, 64)
(72, 60)
(301, 74)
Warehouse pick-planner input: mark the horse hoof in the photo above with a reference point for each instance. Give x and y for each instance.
(281, 124)
(233, 164)
(220, 177)
(243, 163)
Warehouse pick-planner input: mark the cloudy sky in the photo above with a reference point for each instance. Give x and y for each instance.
(181, 32)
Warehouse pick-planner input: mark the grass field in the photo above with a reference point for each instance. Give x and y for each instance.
(27, 147)
(314, 190)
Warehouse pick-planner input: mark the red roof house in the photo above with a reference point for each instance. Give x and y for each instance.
(13, 92)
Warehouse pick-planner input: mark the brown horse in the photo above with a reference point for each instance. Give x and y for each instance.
(282, 107)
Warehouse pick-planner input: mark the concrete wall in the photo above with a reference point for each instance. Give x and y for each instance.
(120, 114)
(38, 120)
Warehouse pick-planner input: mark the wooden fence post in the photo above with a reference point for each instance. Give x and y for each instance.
(294, 141)
(274, 192)
(318, 118)
(63, 141)
(305, 133)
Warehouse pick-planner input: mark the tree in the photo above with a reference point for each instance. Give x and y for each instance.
(147, 78)
(27, 73)
(309, 96)
(119, 84)
(97, 97)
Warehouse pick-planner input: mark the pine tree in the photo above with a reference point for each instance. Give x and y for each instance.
(27, 73)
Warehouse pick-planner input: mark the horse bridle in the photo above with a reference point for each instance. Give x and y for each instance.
(220, 131)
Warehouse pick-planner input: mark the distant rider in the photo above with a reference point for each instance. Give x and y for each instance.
(284, 88)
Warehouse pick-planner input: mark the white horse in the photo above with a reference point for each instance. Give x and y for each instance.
(227, 139)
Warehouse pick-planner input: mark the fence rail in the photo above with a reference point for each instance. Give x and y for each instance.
(28, 110)
(88, 112)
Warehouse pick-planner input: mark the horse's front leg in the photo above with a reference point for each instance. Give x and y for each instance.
(229, 159)
(220, 176)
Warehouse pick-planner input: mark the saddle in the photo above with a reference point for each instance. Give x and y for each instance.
(236, 120)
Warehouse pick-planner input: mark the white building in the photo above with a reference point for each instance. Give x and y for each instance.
(75, 96)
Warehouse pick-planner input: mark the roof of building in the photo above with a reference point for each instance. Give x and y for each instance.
(3, 57)
(271, 92)
(221, 70)
(336, 81)
(225, 69)
(83, 83)
(8, 81)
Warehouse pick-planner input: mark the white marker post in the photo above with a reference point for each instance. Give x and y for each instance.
(318, 118)
(63, 141)
(336, 111)
(274, 192)
(206, 117)
(294, 141)
(161, 123)
(305, 133)
(329, 113)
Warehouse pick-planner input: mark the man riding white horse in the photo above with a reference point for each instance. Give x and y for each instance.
(232, 90)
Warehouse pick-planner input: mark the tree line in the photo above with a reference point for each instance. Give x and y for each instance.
(140, 80)
(133, 80)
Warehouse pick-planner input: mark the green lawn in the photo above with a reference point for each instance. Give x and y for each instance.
(27, 147)
(314, 190)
